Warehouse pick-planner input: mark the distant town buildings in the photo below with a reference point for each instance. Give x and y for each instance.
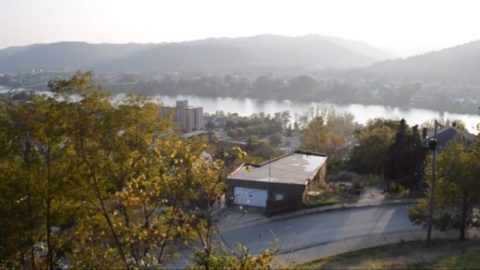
(187, 118)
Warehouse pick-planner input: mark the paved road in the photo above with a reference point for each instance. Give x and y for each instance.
(315, 229)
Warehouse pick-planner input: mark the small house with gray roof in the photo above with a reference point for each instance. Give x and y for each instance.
(277, 185)
(449, 135)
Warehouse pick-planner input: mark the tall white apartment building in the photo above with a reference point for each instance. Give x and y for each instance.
(187, 118)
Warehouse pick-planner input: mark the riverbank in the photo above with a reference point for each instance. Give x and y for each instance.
(246, 106)
(361, 112)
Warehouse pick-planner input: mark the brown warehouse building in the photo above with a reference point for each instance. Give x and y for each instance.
(278, 184)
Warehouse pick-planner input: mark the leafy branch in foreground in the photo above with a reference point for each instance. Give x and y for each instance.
(90, 183)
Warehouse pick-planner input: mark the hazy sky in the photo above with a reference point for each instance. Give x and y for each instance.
(403, 27)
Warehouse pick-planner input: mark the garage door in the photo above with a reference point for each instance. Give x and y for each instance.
(250, 196)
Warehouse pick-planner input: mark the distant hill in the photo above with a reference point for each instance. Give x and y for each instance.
(63, 56)
(268, 51)
(460, 63)
(311, 50)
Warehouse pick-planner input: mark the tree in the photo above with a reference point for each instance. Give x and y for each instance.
(456, 123)
(35, 178)
(275, 139)
(457, 190)
(252, 141)
(143, 185)
(405, 157)
(97, 184)
(210, 125)
(283, 118)
(238, 258)
(327, 131)
(372, 143)
(230, 125)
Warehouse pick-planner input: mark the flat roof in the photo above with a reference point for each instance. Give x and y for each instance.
(296, 168)
(194, 133)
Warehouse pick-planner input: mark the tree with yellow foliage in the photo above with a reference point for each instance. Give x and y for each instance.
(87, 182)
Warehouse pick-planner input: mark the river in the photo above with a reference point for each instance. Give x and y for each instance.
(362, 113)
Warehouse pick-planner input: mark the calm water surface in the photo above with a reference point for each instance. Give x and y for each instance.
(362, 113)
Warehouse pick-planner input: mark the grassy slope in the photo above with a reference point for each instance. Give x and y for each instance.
(446, 254)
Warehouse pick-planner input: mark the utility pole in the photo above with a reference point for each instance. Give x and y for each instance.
(269, 183)
(478, 125)
(432, 145)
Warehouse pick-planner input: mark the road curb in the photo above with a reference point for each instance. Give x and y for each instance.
(311, 211)
(332, 248)
(343, 206)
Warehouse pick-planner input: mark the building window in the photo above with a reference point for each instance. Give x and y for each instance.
(278, 197)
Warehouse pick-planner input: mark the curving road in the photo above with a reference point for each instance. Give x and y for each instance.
(316, 229)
